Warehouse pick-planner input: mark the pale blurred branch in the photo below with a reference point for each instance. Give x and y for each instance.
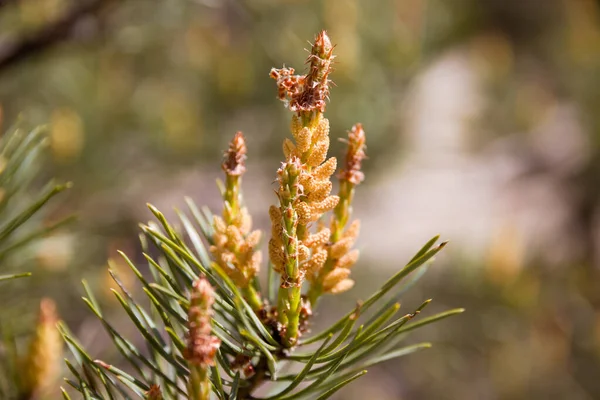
(5, 2)
(16, 49)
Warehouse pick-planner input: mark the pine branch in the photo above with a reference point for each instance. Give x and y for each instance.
(207, 321)
(30, 375)
(19, 164)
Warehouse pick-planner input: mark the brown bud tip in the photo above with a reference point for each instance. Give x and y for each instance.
(202, 345)
(202, 295)
(310, 92)
(322, 47)
(154, 393)
(235, 156)
(48, 314)
(354, 156)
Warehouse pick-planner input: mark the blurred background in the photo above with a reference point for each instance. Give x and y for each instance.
(483, 125)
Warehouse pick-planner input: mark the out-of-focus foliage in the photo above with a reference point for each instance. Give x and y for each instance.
(150, 89)
(19, 166)
(24, 373)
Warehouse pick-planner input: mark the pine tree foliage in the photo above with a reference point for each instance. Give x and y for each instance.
(20, 152)
(209, 329)
(25, 374)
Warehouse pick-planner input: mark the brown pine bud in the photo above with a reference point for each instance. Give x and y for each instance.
(322, 48)
(235, 156)
(234, 242)
(354, 156)
(202, 346)
(309, 92)
(154, 393)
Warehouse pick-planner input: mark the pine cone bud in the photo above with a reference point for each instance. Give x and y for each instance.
(154, 393)
(43, 362)
(354, 156)
(235, 156)
(309, 92)
(202, 345)
(322, 47)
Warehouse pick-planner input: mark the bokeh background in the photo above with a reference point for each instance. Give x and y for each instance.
(483, 124)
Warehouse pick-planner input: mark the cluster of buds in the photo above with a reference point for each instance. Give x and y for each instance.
(333, 277)
(43, 363)
(234, 242)
(304, 192)
(304, 196)
(202, 346)
(355, 154)
(307, 93)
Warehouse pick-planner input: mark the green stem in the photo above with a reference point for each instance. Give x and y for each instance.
(289, 292)
(232, 199)
(282, 315)
(199, 384)
(293, 324)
